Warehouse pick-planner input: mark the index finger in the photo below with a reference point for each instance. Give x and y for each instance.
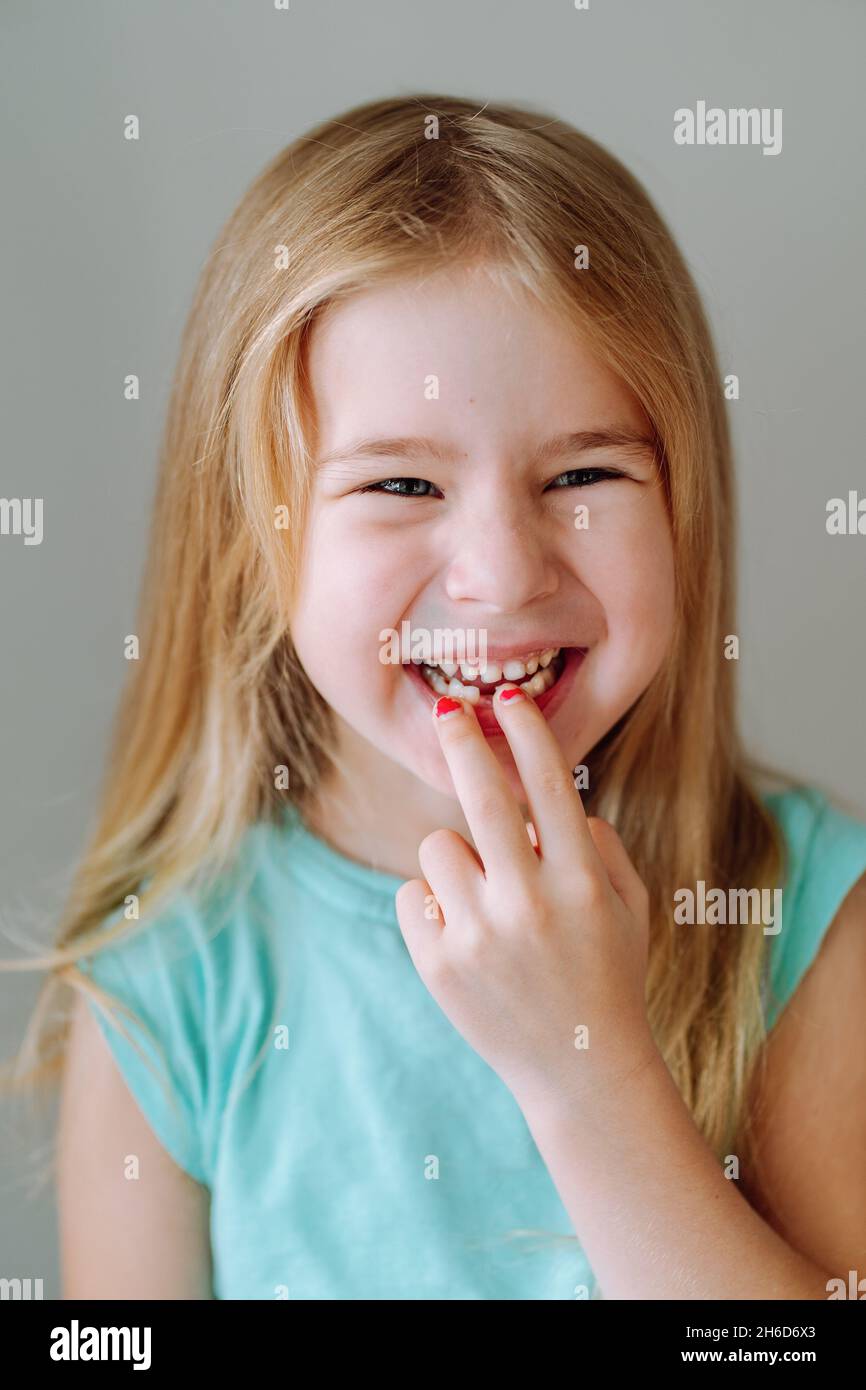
(491, 809)
(554, 802)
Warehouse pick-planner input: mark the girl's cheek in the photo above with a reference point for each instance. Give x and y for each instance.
(634, 540)
(632, 584)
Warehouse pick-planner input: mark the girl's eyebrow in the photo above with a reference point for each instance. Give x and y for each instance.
(560, 446)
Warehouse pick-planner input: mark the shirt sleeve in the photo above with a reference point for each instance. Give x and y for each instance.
(826, 856)
(159, 974)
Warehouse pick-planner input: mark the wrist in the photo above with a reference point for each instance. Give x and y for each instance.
(589, 1093)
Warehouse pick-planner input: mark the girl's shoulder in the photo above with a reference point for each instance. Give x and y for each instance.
(825, 855)
(175, 990)
(201, 978)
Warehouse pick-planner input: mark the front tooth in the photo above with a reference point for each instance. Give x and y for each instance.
(439, 683)
(449, 667)
(456, 689)
(491, 673)
(535, 685)
(513, 670)
(470, 672)
(472, 694)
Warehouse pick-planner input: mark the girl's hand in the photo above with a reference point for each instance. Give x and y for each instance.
(538, 958)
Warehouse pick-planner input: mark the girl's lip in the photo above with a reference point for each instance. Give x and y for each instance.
(548, 701)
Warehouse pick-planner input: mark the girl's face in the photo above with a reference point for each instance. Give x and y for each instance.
(446, 498)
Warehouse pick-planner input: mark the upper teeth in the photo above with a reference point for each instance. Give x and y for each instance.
(535, 665)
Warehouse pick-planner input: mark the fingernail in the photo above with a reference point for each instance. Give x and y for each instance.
(510, 692)
(445, 706)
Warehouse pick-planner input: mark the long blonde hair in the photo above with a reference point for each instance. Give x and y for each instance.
(219, 698)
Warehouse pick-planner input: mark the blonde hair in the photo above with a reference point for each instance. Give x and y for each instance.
(219, 698)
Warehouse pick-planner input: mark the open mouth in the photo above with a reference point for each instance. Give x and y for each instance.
(535, 672)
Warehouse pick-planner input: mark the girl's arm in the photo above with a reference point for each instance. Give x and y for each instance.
(121, 1237)
(657, 1217)
(805, 1158)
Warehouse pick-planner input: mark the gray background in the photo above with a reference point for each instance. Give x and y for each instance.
(104, 240)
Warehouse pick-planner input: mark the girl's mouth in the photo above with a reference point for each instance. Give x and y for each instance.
(534, 672)
(545, 675)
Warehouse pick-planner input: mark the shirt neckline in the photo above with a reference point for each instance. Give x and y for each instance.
(332, 876)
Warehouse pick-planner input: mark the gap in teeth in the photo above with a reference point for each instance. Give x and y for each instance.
(535, 674)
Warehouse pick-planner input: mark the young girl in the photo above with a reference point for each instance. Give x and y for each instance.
(402, 981)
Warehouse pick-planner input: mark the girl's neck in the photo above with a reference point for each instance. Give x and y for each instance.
(376, 812)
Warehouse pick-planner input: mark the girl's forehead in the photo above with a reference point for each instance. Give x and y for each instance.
(418, 303)
(439, 347)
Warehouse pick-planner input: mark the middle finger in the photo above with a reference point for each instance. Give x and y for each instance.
(489, 805)
(554, 802)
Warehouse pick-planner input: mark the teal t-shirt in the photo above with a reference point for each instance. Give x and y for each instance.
(354, 1145)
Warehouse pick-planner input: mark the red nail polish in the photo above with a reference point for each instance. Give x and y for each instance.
(445, 705)
(512, 693)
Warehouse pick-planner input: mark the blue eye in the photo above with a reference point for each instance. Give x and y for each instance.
(585, 477)
(402, 487)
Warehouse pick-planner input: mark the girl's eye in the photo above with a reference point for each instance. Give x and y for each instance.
(402, 487)
(420, 487)
(584, 477)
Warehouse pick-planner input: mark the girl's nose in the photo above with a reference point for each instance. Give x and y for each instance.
(500, 559)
